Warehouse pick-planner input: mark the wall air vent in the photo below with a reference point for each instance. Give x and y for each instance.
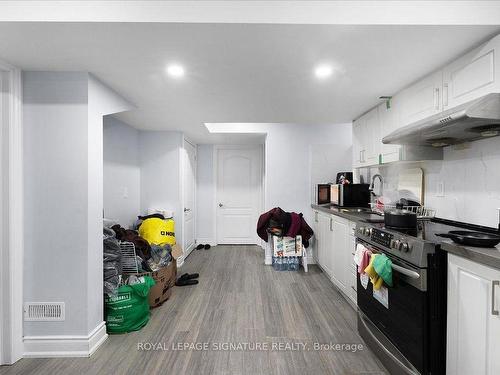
(446, 120)
(44, 311)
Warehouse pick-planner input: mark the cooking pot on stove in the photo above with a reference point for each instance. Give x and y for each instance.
(398, 218)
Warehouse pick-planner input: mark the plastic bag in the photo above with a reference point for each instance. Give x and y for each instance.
(129, 310)
(157, 231)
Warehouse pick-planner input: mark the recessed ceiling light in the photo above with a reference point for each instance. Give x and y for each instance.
(323, 71)
(175, 70)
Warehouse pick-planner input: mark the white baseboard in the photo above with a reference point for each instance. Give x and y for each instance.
(65, 346)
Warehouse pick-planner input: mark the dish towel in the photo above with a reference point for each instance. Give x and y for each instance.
(383, 267)
(376, 280)
(358, 254)
(365, 260)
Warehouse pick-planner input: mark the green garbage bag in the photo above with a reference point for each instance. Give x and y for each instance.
(129, 310)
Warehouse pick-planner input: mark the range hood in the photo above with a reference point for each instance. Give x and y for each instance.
(477, 119)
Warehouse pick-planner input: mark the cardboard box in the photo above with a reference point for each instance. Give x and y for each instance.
(287, 246)
(165, 279)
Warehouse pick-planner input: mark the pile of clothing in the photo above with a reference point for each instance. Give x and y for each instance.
(112, 262)
(378, 267)
(281, 223)
(150, 257)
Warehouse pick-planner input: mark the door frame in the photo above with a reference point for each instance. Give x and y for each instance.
(11, 234)
(181, 179)
(215, 163)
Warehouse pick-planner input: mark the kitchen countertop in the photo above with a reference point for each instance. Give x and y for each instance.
(488, 256)
(346, 213)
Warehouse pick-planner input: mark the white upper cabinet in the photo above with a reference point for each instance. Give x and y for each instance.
(469, 77)
(373, 139)
(358, 127)
(366, 137)
(388, 117)
(422, 99)
(472, 75)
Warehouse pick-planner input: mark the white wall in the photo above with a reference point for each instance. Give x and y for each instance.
(63, 164)
(161, 174)
(296, 156)
(122, 173)
(55, 120)
(471, 179)
(101, 101)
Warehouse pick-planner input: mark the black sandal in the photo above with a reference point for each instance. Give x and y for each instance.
(199, 247)
(188, 276)
(207, 246)
(180, 282)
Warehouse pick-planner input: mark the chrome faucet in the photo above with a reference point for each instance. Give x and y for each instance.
(373, 184)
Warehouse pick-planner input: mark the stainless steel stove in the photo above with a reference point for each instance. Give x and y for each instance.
(406, 327)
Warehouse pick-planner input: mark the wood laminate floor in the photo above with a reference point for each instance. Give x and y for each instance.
(238, 300)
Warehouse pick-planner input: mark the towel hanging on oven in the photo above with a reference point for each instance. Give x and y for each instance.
(379, 270)
(362, 257)
(383, 266)
(376, 280)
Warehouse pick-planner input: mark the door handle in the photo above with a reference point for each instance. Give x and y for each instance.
(436, 98)
(187, 209)
(494, 283)
(316, 216)
(220, 205)
(406, 271)
(331, 222)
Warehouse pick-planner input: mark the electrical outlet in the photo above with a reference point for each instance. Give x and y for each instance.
(124, 192)
(440, 189)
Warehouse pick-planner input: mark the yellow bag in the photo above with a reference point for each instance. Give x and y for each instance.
(157, 231)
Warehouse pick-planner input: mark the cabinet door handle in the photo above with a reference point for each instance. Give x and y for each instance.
(494, 283)
(316, 216)
(445, 95)
(436, 97)
(331, 227)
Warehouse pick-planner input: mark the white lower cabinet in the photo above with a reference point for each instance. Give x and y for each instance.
(335, 246)
(325, 243)
(473, 326)
(352, 268)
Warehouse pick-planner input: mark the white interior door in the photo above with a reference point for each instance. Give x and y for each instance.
(239, 192)
(189, 178)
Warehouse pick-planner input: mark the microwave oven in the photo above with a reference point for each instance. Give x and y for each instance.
(322, 194)
(350, 195)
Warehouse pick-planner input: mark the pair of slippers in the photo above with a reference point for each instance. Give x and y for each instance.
(200, 246)
(187, 279)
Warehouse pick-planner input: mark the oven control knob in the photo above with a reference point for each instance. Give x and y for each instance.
(361, 230)
(405, 247)
(397, 243)
(369, 232)
(392, 244)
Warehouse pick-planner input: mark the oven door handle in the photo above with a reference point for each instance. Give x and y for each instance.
(406, 271)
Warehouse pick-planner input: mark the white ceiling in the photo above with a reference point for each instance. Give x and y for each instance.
(240, 72)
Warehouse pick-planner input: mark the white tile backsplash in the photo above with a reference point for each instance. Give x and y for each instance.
(470, 174)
